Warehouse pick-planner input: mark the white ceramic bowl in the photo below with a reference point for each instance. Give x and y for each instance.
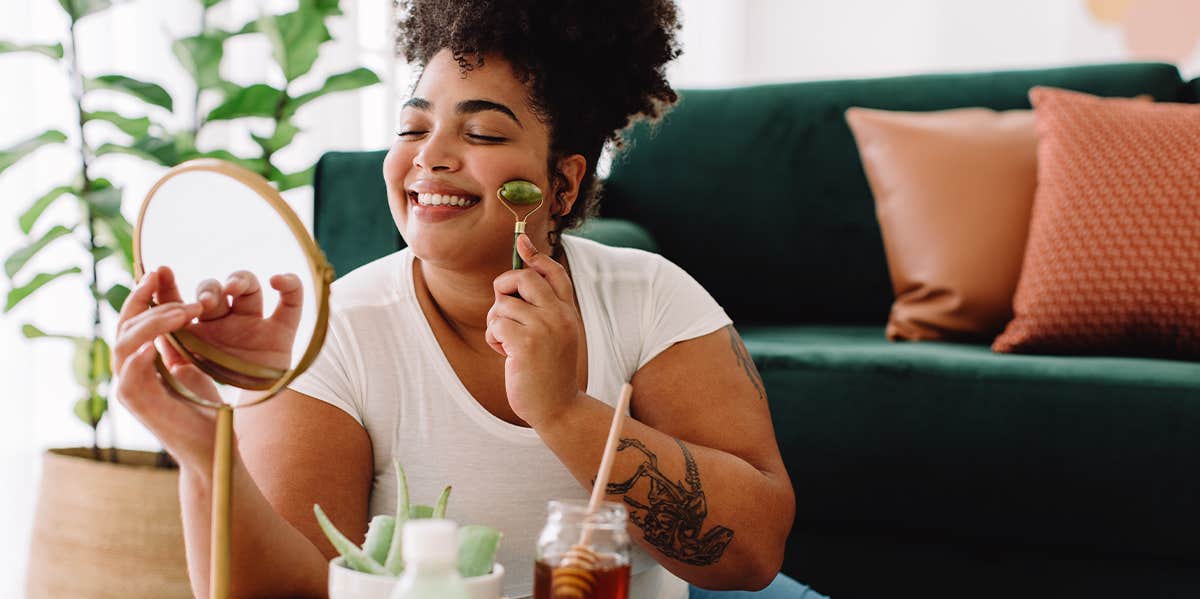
(345, 583)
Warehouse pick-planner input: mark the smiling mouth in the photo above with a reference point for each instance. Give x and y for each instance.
(442, 200)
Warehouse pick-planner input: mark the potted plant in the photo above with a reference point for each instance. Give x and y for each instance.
(372, 570)
(103, 513)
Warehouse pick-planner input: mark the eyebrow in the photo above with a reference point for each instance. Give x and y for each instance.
(467, 107)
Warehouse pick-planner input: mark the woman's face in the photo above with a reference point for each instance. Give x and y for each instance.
(460, 137)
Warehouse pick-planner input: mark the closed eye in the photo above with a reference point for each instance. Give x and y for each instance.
(410, 133)
(487, 138)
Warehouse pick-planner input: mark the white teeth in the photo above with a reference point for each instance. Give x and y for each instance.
(437, 199)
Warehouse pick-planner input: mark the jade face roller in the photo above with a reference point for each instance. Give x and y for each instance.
(519, 193)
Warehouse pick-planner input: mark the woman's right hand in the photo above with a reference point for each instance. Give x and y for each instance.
(186, 430)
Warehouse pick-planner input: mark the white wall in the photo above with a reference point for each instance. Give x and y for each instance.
(726, 42)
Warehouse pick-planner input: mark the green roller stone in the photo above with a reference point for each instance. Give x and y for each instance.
(520, 192)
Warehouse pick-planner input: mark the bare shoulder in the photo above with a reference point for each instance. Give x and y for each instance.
(300, 451)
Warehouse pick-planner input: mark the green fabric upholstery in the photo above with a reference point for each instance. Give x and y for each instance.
(766, 181)
(351, 219)
(928, 470)
(965, 443)
(353, 225)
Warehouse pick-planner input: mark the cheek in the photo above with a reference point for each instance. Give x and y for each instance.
(396, 166)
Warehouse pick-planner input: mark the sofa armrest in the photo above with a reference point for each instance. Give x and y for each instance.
(617, 233)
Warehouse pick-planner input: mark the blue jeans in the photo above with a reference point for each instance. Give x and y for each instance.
(782, 588)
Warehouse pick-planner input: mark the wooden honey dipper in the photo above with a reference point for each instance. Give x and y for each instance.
(573, 578)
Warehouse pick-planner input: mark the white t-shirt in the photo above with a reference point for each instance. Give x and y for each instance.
(382, 365)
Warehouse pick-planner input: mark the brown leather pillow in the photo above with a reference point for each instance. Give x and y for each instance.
(1113, 262)
(953, 191)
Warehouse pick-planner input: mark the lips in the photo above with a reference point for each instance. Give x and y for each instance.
(434, 201)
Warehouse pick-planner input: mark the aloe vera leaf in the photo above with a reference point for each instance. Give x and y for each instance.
(477, 546)
(355, 557)
(395, 557)
(379, 537)
(420, 512)
(439, 508)
(518, 191)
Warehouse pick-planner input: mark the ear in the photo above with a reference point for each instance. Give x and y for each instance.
(573, 168)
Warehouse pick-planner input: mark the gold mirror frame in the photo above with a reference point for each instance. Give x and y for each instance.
(223, 367)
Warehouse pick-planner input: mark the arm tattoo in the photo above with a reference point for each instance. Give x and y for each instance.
(672, 518)
(746, 362)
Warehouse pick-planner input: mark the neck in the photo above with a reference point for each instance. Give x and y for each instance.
(462, 299)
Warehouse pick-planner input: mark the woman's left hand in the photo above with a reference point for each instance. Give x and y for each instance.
(537, 331)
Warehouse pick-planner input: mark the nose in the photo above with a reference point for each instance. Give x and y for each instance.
(437, 153)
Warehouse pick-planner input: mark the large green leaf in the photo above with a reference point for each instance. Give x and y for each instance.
(18, 294)
(39, 206)
(78, 9)
(17, 260)
(154, 149)
(259, 99)
(90, 364)
(353, 79)
(200, 56)
(10, 155)
(147, 92)
(105, 201)
(116, 296)
(285, 132)
(55, 51)
(135, 126)
(121, 233)
(32, 332)
(296, 38)
(91, 409)
(287, 181)
(325, 7)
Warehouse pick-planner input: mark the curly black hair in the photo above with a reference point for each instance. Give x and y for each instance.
(592, 67)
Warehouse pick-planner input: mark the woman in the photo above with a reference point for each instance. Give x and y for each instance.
(497, 381)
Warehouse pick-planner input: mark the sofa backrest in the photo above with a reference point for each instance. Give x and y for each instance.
(759, 193)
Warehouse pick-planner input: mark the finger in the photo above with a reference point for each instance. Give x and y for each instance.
(156, 321)
(291, 299)
(529, 284)
(168, 290)
(544, 265)
(246, 292)
(491, 340)
(139, 299)
(514, 309)
(510, 335)
(208, 293)
(170, 355)
(196, 381)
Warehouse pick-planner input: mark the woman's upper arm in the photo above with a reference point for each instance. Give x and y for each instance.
(300, 451)
(707, 391)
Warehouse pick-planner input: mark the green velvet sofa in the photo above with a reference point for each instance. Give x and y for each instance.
(920, 469)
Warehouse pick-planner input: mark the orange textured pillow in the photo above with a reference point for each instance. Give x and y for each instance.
(1113, 260)
(953, 191)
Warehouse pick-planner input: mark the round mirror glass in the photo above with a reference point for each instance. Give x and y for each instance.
(211, 222)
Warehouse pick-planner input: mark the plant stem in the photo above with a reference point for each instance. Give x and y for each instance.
(77, 92)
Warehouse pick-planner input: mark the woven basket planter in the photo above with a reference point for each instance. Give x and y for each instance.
(105, 530)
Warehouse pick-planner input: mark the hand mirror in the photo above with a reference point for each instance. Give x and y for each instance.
(206, 220)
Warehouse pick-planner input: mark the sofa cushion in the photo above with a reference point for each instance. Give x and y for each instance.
(1113, 260)
(953, 192)
(955, 442)
(767, 180)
